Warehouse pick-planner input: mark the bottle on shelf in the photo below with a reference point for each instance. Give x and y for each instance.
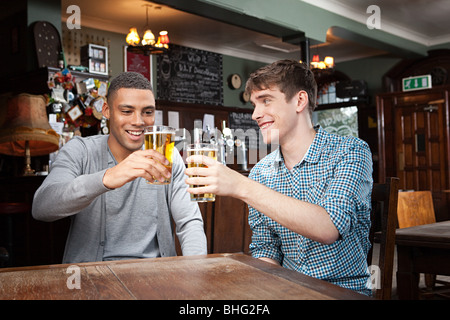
(61, 60)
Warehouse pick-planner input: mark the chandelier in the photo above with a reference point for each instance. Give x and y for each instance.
(327, 63)
(324, 72)
(148, 45)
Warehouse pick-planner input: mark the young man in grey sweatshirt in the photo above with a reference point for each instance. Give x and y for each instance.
(100, 183)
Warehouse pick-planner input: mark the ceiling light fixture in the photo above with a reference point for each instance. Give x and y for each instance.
(324, 72)
(327, 63)
(148, 45)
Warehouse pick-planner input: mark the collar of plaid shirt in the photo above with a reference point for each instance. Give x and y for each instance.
(311, 154)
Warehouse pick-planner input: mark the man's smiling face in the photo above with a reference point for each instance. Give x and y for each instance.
(129, 111)
(275, 116)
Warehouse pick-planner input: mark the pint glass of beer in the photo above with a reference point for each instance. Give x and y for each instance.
(207, 150)
(161, 139)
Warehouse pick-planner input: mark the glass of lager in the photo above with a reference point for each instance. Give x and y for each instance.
(207, 150)
(161, 139)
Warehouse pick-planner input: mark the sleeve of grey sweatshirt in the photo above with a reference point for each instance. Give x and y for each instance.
(67, 189)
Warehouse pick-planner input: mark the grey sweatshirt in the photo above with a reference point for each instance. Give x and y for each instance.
(134, 221)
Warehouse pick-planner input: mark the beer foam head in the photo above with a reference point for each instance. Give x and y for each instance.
(159, 132)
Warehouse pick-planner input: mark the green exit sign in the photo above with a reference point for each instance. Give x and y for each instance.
(416, 83)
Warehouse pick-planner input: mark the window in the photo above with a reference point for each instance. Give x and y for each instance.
(342, 121)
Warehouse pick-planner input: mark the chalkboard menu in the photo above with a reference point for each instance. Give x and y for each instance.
(190, 75)
(250, 130)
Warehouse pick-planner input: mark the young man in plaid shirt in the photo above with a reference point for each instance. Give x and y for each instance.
(309, 200)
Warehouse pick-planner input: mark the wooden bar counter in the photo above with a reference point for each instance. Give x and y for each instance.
(209, 277)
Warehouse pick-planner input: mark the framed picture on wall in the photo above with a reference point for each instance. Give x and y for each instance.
(136, 62)
(95, 57)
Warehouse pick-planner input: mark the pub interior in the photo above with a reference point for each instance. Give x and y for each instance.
(382, 75)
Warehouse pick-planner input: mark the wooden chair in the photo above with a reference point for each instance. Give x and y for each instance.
(416, 208)
(384, 222)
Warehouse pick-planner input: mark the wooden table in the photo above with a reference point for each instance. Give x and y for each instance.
(210, 277)
(421, 249)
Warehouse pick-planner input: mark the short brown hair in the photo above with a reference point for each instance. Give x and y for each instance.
(289, 76)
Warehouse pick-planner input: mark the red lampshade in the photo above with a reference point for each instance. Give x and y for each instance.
(164, 37)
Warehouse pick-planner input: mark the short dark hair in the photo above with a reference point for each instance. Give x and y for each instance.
(129, 80)
(290, 76)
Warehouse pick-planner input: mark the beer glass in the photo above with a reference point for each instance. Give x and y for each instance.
(207, 150)
(161, 139)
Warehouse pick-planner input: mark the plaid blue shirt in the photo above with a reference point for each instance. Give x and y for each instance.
(336, 174)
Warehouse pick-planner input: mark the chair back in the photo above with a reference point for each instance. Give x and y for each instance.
(384, 222)
(415, 208)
